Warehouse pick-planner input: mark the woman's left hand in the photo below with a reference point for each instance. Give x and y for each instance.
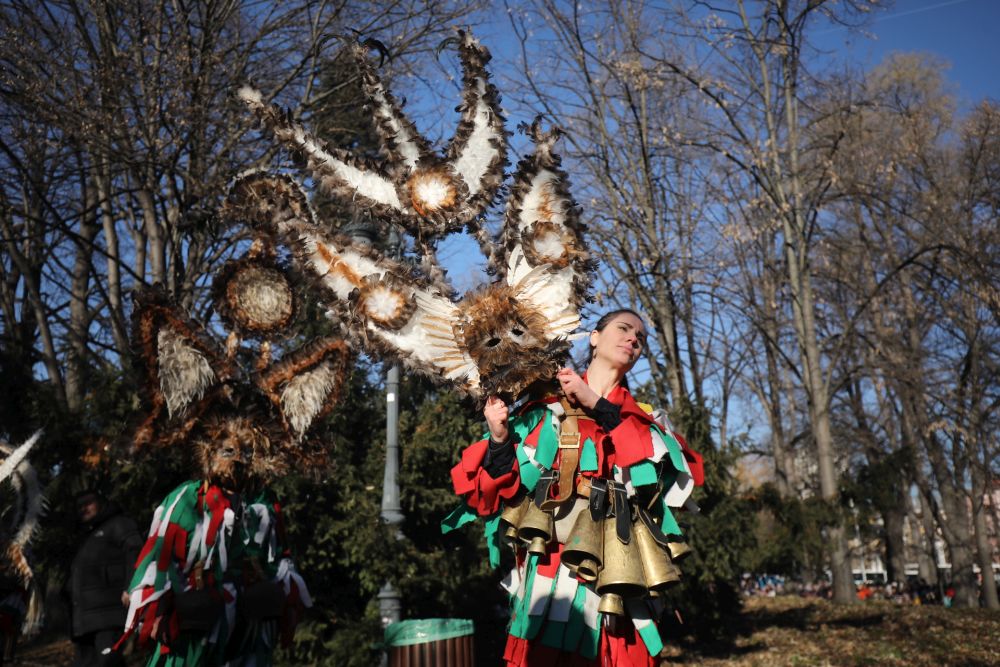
(576, 388)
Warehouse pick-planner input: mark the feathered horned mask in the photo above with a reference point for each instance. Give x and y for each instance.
(245, 418)
(499, 338)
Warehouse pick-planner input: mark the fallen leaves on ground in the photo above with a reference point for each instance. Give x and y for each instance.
(803, 631)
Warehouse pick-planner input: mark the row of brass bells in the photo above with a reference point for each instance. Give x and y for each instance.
(633, 568)
(594, 552)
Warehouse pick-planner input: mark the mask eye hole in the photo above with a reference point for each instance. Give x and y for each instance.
(517, 332)
(492, 342)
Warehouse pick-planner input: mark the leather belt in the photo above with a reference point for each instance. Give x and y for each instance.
(608, 499)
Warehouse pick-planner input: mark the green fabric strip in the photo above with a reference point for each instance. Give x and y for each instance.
(535, 622)
(588, 458)
(651, 638)
(528, 470)
(553, 634)
(643, 473)
(669, 525)
(548, 444)
(644, 624)
(520, 624)
(492, 535)
(523, 425)
(591, 639)
(526, 423)
(457, 518)
(674, 449)
(575, 625)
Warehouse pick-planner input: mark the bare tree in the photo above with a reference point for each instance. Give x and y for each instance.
(912, 264)
(748, 65)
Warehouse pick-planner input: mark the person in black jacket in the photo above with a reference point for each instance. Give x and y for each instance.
(99, 576)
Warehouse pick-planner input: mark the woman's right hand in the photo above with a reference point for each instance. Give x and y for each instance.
(497, 414)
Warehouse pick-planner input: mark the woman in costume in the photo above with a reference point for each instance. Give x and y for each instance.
(567, 476)
(583, 481)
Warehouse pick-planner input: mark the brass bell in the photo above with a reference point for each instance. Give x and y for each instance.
(612, 603)
(657, 568)
(583, 551)
(512, 514)
(679, 550)
(536, 528)
(622, 573)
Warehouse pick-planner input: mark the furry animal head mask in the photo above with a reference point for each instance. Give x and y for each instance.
(499, 338)
(244, 417)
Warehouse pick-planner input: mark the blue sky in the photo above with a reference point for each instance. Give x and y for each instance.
(961, 32)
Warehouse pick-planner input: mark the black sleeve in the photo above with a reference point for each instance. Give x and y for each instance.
(131, 544)
(499, 457)
(606, 414)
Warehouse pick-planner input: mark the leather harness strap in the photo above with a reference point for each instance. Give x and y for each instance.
(569, 455)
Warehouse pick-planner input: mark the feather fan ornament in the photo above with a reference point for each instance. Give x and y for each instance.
(421, 190)
(499, 338)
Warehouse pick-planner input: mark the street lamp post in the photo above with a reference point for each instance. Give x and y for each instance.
(389, 605)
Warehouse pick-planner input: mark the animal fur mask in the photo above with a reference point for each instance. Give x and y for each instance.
(499, 338)
(244, 423)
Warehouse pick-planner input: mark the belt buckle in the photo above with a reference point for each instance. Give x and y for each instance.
(569, 440)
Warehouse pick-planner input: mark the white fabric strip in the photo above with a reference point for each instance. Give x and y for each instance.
(264, 518)
(680, 490)
(562, 597)
(590, 604)
(512, 582)
(540, 593)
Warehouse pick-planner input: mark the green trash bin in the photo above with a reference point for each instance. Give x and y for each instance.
(430, 642)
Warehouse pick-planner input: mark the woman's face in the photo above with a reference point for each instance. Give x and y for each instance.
(620, 343)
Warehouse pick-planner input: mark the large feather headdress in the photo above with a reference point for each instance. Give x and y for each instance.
(497, 339)
(233, 404)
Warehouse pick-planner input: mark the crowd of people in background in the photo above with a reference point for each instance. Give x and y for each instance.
(914, 591)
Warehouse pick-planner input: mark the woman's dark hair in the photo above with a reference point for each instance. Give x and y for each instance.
(606, 318)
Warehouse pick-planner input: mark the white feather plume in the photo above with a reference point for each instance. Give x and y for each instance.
(551, 292)
(184, 372)
(540, 203)
(29, 509)
(477, 156)
(404, 142)
(17, 455)
(370, 184)
(305, 394)
(26, 483)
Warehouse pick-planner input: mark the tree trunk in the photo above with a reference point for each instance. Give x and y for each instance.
(102, 184)
(895, 561)
(984, 552)
(157, 252)
(79, 313)
(930, 570)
